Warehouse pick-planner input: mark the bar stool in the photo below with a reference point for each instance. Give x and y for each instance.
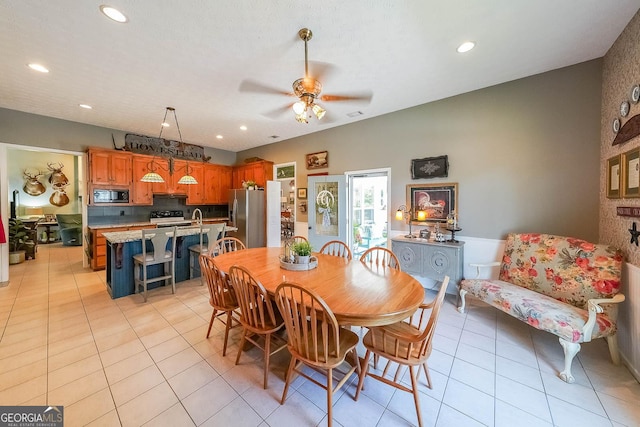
(159, 255)
(216, 231)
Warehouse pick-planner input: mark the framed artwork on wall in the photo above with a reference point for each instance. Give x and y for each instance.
(631, 173)
(614, 176)
(430, 167)
(318, 160)
(437, 200)
(302, 193)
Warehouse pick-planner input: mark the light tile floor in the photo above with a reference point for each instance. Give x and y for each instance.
(64, 341)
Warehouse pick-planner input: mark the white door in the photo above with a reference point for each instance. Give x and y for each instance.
(327, 204)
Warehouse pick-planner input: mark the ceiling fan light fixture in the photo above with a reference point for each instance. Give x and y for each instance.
(299, 107)
(302, 118)
(318, 111)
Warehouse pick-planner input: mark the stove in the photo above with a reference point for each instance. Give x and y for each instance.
(168, 218)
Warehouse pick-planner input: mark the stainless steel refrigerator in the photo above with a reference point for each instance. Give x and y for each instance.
(247, 212)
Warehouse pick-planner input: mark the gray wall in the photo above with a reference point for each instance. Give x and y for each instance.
(39, 131)
(525, 154)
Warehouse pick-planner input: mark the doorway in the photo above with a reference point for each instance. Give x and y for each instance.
(368, 200)
(24, 205)
(285, 173)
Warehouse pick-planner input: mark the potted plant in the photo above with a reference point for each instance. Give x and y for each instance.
(18, 237)
(251, 185)
(301, 252)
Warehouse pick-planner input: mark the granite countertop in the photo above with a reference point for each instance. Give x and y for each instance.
(134, 235)
(149, 223)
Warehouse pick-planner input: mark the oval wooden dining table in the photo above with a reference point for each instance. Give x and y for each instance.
(358, 295)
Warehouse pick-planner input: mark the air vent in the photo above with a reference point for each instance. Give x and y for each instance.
(355, 114)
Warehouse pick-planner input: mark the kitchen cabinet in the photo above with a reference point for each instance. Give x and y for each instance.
(195, 192)
(260, 172)
(110, 168)
(217, 182)
(431, 259)
(141, 192)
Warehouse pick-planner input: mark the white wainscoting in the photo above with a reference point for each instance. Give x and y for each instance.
(629, 319)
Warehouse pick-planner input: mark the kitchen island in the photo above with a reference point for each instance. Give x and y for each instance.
(123, 245)
(97, 244)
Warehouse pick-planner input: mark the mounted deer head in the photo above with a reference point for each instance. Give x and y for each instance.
(33, 187)
(59, 196)
(57, 177)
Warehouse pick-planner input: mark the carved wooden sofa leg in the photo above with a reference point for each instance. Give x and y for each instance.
(570, 351)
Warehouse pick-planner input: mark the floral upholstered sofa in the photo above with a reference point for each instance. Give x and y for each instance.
(561, 285)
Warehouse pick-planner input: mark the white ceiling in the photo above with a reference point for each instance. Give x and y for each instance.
(194, 55)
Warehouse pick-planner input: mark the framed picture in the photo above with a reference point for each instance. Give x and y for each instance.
(631, 173)
(430, 167)
(302, 193)
(437, 200)
(288, 171)
(614, 176)
(318, 160)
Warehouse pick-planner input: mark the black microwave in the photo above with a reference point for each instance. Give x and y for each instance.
(110, 196)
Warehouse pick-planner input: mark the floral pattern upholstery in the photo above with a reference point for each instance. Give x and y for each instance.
(546, 281)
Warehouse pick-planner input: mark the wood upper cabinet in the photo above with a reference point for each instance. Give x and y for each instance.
(196, 192)
(217, 182)
(142, 192)
(110, 167)
(260, 172)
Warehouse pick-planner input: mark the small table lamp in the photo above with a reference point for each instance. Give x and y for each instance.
(404, 213)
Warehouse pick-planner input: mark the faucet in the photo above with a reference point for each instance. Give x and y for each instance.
(199, 212)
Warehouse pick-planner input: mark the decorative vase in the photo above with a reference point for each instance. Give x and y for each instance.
(302, 259)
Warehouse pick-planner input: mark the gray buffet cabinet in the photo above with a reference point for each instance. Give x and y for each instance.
(431, 259)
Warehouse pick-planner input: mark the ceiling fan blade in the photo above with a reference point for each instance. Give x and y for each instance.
(364, 97)
(276, 113)
(321, 70)
(256, 87)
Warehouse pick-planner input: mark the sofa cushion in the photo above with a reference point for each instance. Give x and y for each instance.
(568, 269)
(540, 311)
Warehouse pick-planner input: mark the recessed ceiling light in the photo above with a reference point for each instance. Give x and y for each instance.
(38, 67)
(219, 136)
(86, 106)
(113, 13)
(466, 47)
(165, 125)
(243, 127)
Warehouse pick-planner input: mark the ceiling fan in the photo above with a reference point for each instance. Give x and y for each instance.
(307, 89)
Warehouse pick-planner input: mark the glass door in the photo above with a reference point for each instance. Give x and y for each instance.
(368, 209)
